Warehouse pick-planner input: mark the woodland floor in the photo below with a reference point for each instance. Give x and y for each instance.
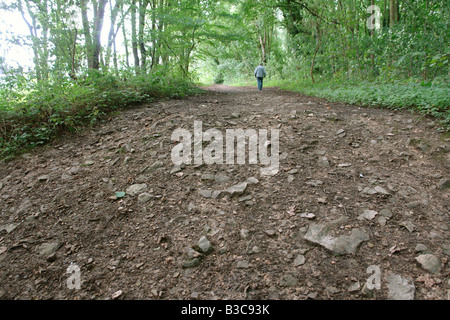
(58, 206)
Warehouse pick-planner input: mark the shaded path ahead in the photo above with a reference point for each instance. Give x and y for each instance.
(357, 187)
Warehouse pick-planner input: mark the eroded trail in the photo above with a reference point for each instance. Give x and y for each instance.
(357, 188)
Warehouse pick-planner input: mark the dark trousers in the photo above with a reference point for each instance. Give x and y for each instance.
(260, 82)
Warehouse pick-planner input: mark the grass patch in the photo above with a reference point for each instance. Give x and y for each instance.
(425, 98)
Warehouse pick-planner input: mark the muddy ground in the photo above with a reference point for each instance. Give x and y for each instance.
(361, 198)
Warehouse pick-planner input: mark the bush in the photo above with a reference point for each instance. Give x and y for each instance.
(219, 79)
(32, 115)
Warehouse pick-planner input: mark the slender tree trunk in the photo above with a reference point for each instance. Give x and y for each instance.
(116, 67)
(392, 12)
(188, 54)
(262, 54)
(142, 13)
(161, 27)
(36, 59)
(164, 25)
(45, 30)
(112, 33)
(86, 32)
(153, 33)
(125, 40)
(315, 54)
(98, 24)
(74, 50)
(134, 41)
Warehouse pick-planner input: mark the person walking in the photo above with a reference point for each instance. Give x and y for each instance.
(260, 74)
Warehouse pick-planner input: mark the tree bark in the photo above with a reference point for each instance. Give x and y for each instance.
(134, 40)
(125, 40)
(153, 33)
(315, 53)
(112, 32)
(86, 32)
(45, 30)
(392, 12)
(98, 24)
(142, 13)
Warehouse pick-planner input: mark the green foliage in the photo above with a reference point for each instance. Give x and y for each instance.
(31, 116)
(219, 79)
(426, 98)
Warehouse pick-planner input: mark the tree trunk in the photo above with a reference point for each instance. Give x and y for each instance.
(125, 40)
(392, 12)
(262, 42)
(315, 54)
(385, 14)
(86, 32)
(112, 33)
(45, 30)
(159, 43)
(98, 24)
(164, 25)
(74, 50)
(142, 13)
(134, 42)
(153, 33)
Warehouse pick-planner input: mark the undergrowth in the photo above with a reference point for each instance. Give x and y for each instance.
(33, 114)
(431, 99)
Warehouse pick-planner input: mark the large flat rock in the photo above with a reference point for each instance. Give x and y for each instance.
(345, 244)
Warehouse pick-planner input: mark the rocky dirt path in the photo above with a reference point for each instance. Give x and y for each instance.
(358, 210)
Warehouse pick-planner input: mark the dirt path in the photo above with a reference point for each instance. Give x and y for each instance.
(362, 195)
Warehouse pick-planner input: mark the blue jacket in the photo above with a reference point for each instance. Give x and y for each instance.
(260, 72)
